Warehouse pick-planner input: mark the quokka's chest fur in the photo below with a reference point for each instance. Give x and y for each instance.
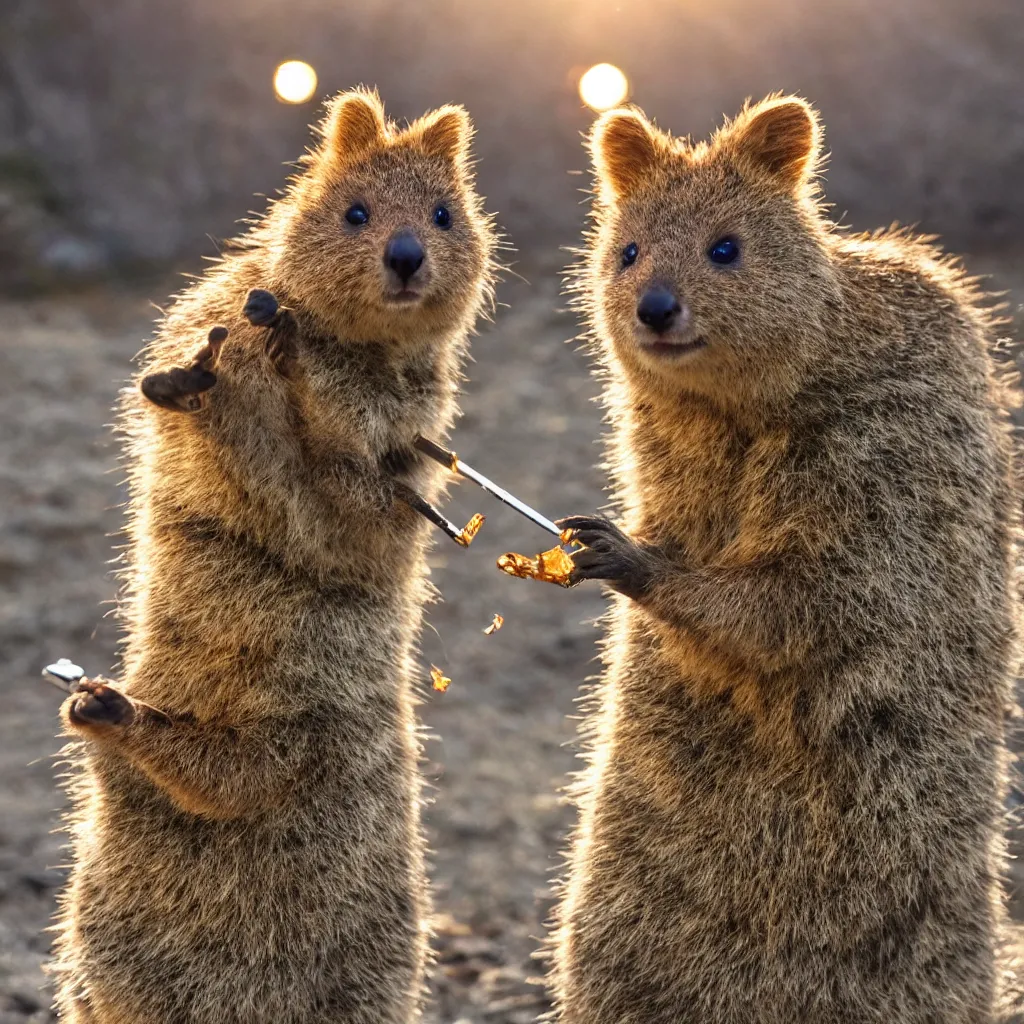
(376, 392)
(686, 481)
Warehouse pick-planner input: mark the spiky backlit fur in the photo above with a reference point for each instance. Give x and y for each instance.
(792, 809)
(250, 851)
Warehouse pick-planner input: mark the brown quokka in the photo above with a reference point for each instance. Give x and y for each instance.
(247, 843)
(792, 809)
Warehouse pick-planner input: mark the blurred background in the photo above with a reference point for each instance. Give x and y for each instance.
(135, 133)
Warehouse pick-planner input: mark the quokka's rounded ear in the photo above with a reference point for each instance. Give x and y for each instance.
(354, 125)
(446, 133)
(624, 147)
(781, 135)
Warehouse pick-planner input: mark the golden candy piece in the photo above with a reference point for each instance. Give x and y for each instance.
(553, 566)
(439, 679)
(496, 623)
(470, 530)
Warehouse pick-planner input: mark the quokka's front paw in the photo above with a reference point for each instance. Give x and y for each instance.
(262, 309)
(97, 705)
(609, 555)
(183, 388)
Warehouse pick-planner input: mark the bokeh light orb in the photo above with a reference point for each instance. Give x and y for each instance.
(294, 81)
(604, 86)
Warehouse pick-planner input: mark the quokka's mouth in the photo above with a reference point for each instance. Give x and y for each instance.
(404, 297)
(673, 349)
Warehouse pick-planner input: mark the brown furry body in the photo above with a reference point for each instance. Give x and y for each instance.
(793, 807)
(250, 850)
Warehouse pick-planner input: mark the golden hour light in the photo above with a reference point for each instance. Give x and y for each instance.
(604, 86)
(294, 81)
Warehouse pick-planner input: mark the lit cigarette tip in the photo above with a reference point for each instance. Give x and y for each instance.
(470, 530)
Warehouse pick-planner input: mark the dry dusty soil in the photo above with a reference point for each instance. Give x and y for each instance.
(502, 736)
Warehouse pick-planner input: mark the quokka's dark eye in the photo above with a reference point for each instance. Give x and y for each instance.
(629, 254)
(442, 218)
(724, 251)
(357, 214)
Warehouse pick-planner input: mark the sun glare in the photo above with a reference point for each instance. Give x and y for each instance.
(604, 86)
(294, 81)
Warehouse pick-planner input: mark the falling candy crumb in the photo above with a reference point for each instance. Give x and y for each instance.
(439, 679)
(496, 623)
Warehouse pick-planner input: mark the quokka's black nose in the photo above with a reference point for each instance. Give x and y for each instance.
(404, 255)
(658, 309)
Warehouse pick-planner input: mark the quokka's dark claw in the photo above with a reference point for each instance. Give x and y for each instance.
(179, 390)
(262, 309)
(182, 388)
(214, 342)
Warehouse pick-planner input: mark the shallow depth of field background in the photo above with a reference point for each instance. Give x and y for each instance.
(134, 133)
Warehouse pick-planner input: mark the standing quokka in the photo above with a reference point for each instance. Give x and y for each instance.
(792, 808)
(246, 833)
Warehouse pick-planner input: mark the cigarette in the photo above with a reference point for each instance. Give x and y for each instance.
(451, 461)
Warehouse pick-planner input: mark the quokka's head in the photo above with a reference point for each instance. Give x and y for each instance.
(383, 234)
(707, 268)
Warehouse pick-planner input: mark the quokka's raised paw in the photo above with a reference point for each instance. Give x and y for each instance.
(183, 389)
(97, 704)
(262, 309)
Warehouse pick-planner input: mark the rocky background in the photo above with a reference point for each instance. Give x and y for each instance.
(135, 133)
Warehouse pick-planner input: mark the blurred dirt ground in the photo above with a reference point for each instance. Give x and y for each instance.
(501, 736)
